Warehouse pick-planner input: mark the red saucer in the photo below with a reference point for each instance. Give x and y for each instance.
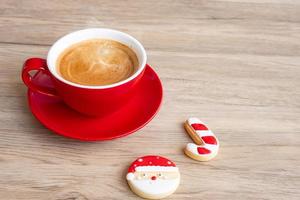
(61, 119)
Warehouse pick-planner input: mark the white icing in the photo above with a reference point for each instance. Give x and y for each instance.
(191, 147)
(212, 147)
(140, 160)
(130, 176)
(156, 168)
(205, 133)
(194, 120)
(156, 187)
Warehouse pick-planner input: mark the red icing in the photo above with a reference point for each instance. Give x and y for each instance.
(151, 161)
(202, 150)
(209, 139)
(153, 178)
(199, 127)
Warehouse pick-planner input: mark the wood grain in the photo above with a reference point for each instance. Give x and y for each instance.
(232, 63)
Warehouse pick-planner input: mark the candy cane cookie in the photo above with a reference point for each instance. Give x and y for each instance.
(207, 144)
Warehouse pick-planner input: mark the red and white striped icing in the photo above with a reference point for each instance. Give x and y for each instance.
(210, 145)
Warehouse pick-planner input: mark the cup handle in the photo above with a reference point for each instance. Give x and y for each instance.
(37, 64)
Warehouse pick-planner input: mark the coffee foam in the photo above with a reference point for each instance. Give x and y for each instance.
(97, 62)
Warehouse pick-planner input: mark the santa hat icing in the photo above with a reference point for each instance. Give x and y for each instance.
(151, 163)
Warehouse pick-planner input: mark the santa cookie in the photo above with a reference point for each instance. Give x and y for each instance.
(153, 177)
(207, 144)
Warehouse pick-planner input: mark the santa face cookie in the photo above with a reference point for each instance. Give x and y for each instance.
(153, 177)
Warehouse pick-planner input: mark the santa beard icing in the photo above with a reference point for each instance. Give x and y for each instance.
(155, 187)
(153, 177)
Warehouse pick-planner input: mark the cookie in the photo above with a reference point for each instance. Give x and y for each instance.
(153, 177)
(206, 144)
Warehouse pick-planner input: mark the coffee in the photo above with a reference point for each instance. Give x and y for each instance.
(97, 62)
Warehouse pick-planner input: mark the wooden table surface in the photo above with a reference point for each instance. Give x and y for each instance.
(234, 64)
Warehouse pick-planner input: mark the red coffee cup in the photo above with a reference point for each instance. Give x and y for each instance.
(89, 100)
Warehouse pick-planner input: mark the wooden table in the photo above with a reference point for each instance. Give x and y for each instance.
(234, 64)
